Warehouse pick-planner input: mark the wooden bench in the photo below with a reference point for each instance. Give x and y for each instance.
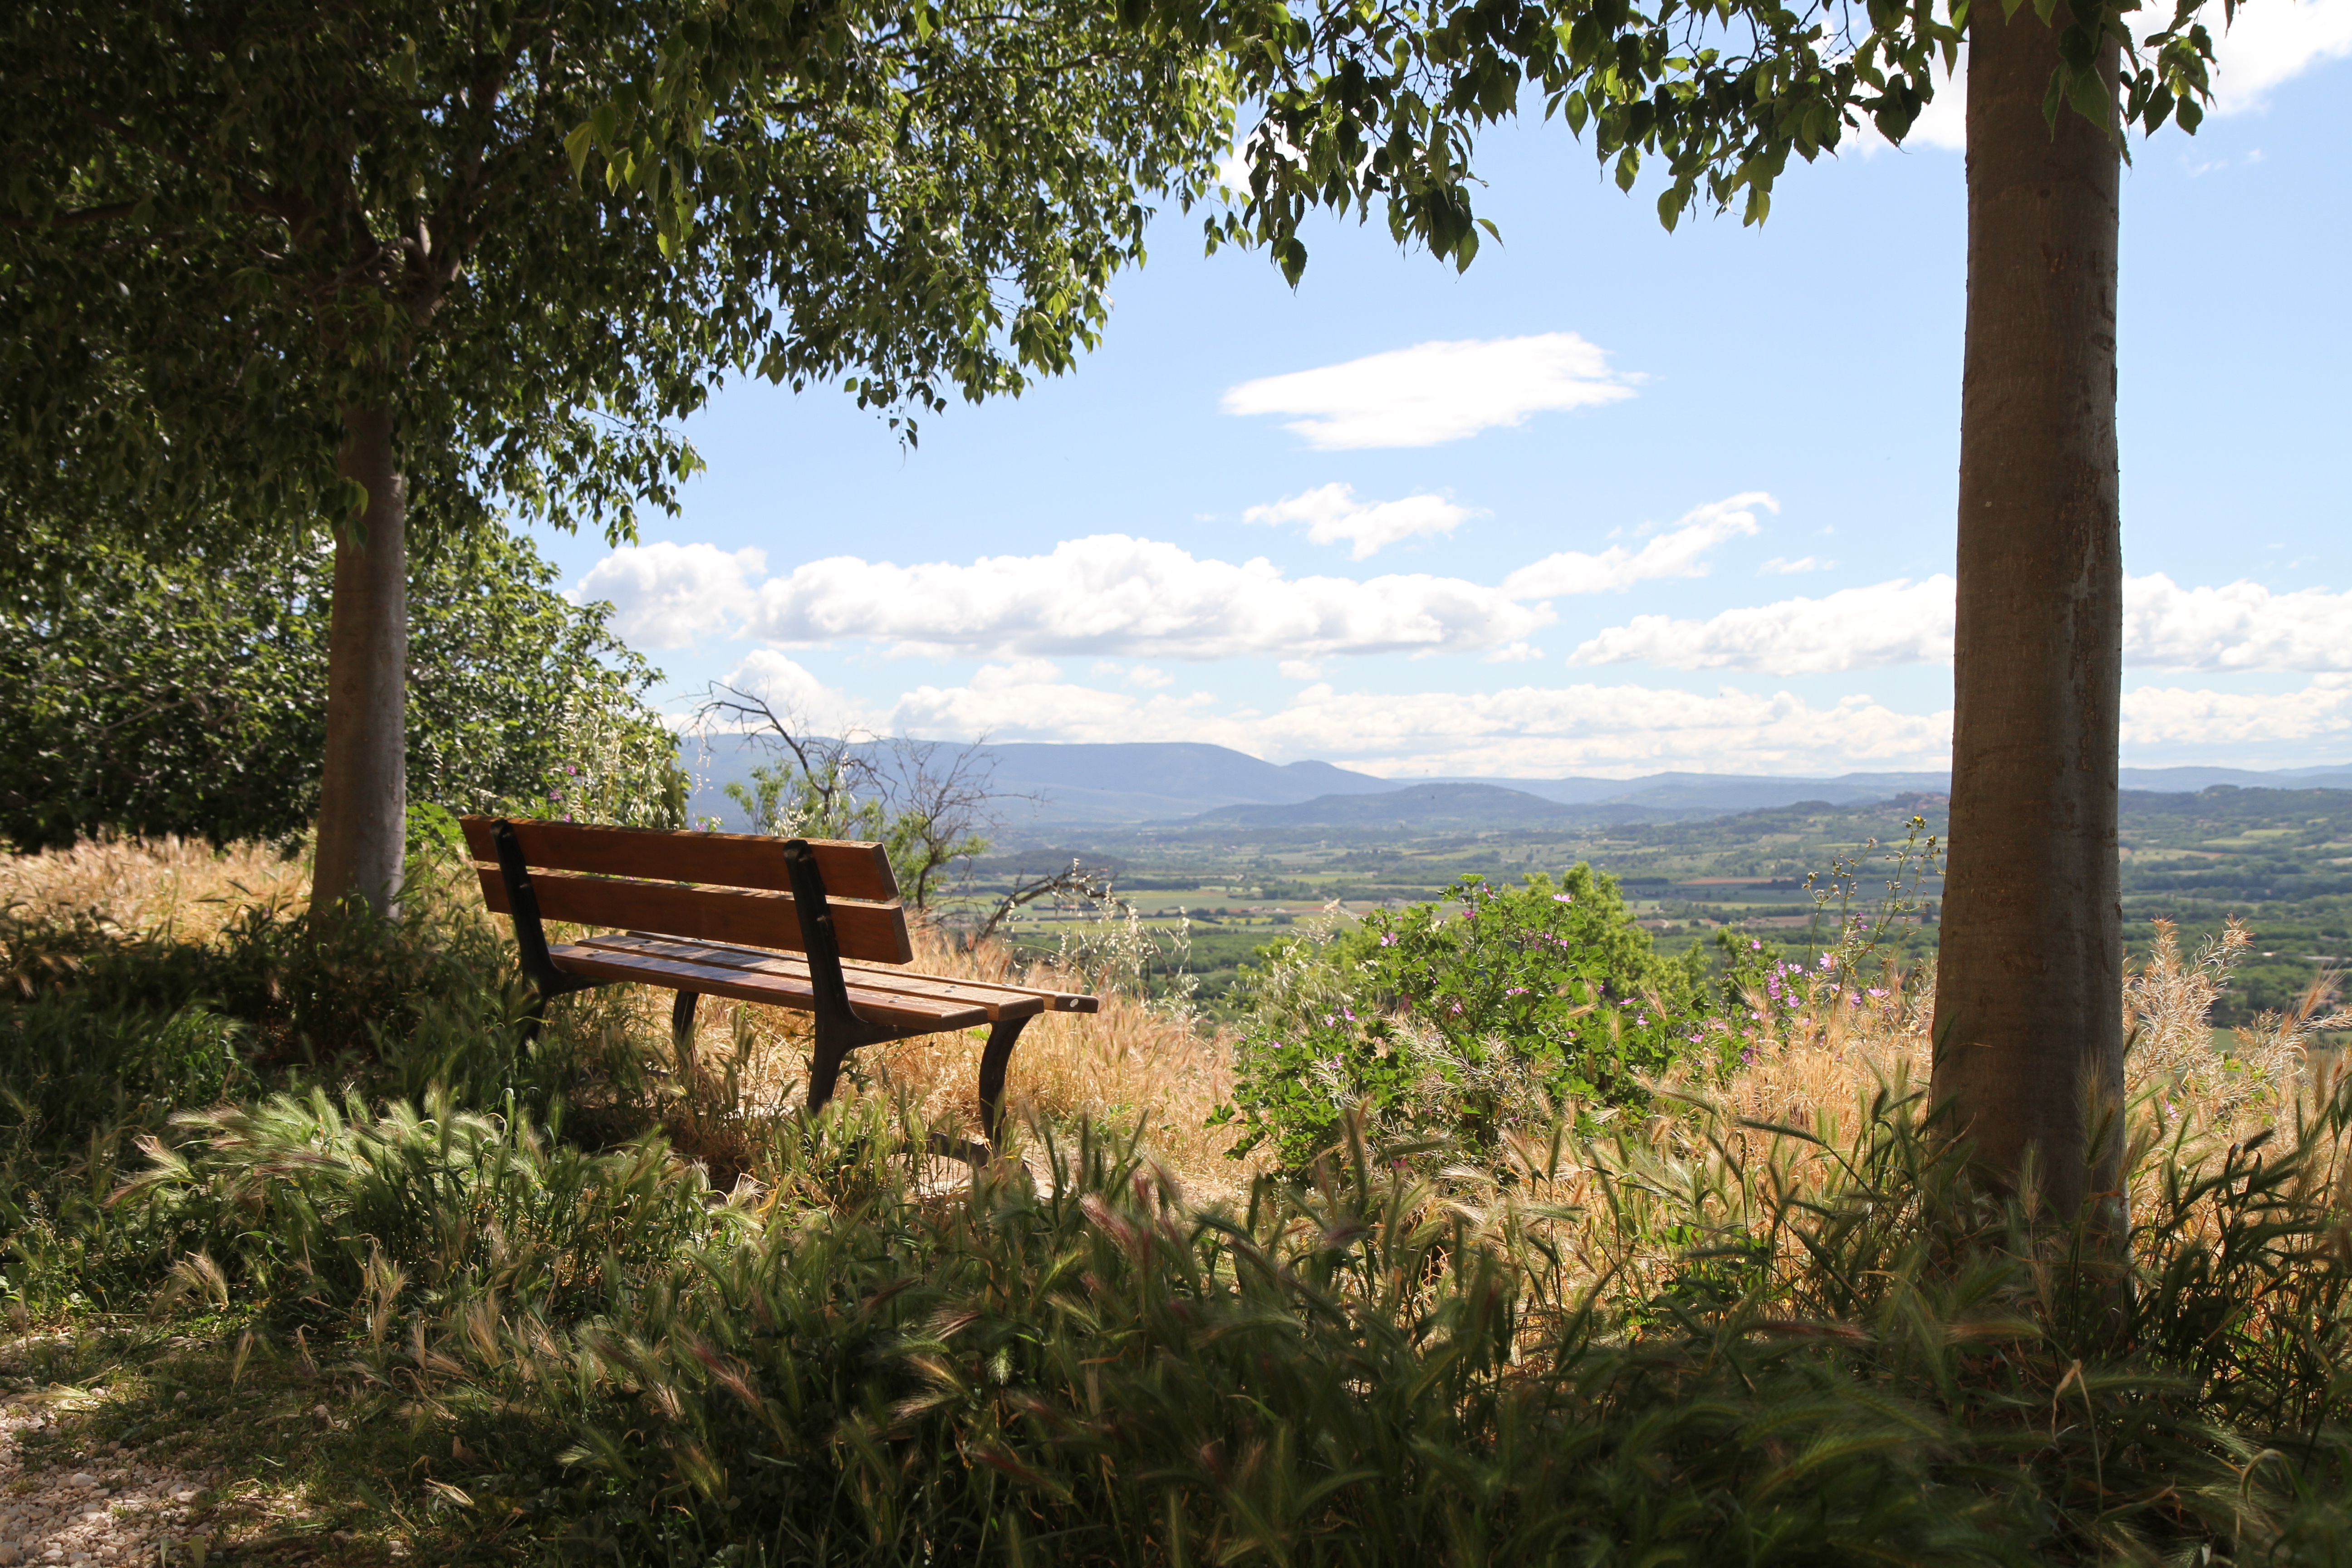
(814, 925)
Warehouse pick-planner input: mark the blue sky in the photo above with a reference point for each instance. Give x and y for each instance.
(1613, 501)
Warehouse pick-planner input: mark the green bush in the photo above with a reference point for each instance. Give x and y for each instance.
(1452, 1021)
(190, 697)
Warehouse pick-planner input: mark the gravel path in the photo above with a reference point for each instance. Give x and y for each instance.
(108, 1507)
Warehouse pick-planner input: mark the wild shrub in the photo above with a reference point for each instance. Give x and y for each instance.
(1452, 1021)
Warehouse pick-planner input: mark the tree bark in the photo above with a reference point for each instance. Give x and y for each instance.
(363, 795)
(2028, 1025)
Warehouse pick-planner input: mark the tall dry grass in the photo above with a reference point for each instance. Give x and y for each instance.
(1136, 1064)
(1819, 1065)
(169, 890)
(1133, 1064)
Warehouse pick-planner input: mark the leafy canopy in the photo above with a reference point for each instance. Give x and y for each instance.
(538, 231)
(1380, 101)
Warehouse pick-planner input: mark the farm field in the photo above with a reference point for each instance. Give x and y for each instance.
(2280, 860)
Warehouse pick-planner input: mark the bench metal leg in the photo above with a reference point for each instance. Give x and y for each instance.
(994, 1059)
(681, 1029)
(824, 1070)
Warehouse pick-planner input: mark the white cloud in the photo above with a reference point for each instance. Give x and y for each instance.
(1517, 653)
(2241, 626)
(1780, 567)
(1145, 675)
(1333, 515)
(1112, 595)
(793, 690)
(1609, 730)
(2270, 43)
(669, 596)
(2281, 720)
(1678, 552)
(1434, 392)
(1525, 730)
(1027, 699)
(1855, 628)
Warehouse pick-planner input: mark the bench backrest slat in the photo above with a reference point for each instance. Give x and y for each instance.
(875, 932)
(851, 870)
(605, 877)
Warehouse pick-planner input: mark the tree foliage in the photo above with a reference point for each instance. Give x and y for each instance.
(541, 230)
(1380, 104)
(190, 698)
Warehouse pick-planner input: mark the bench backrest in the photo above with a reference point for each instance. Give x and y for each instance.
(704, 887)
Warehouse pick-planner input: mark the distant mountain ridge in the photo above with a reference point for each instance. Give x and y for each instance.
(1429, 807)
(1102, 785)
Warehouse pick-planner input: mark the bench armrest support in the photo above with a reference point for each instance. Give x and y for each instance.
(531, 935)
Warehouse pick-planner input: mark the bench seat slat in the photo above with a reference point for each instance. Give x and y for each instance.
(1001, 1000)
(851, 870)
(892, 1010)
(708, 914)
(877, 974)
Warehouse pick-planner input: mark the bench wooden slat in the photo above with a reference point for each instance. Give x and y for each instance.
(875, 973)
(851, 870)
(1002, 1002)
(903, 1012)
(873, 931)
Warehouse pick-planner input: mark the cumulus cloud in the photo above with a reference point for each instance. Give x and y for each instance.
(1780, 566)
(669, 596)
(1111, 594)
(2285, 722)
(2240, 627)
(1027, 699)
(1525, 730)
(1679, 551)
(1334, 516)
(792, 689)
(1434, 392)
(1855, 628)
(2272, 43)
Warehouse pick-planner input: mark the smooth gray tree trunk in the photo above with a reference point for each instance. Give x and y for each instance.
(2028, 1025)
(364, 794)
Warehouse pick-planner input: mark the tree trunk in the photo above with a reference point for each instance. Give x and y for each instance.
(363, 795)
(2028, 1028)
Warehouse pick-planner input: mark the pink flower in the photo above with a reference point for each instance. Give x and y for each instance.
(1388, 939)
(1563, 898)
(1755, 945)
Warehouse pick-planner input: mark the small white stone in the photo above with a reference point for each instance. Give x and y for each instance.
(81, 1478)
